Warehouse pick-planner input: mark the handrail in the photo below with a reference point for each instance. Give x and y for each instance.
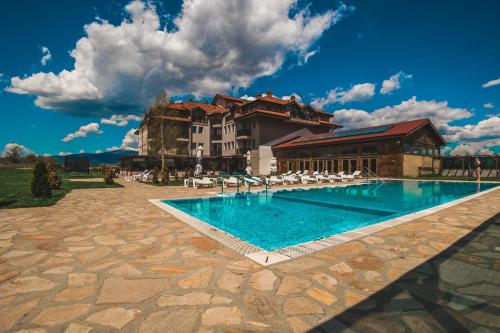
(373, 174)
(240, 177)
(267, 186)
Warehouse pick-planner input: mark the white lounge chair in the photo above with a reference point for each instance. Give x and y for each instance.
(230, 181)
(204, 182)
(188, 182)
(356, 174)
(136, 176)
(308, 179)
(275, 180)
(250, 181)
(287, 174)
(322, 178)
(147, 177)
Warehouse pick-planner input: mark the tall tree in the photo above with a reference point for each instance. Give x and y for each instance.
(162, 133)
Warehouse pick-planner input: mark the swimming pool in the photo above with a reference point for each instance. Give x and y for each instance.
(288, 217)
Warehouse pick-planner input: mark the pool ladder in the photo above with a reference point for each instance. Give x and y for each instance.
(374, 175)
(240, 178)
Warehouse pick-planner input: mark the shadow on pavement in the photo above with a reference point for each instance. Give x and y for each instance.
(458, 290)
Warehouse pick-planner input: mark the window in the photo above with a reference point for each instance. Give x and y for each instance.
(193, 129)
(369, 149)
(329, 165)
(253, 143)
(200, 130)
(373, 165)
(232, 144)
(345, 165)
(304, 154)
(416, 149)
(365, 164)
(333, 152)
(353, 150)
(315, 165)
(336, 166)
(406, 148)
(307, 165)
(318, 154)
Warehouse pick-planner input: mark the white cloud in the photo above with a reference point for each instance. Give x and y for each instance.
(488, 105)
(130, 142)
(439, 112)
(298, 99)
(120, 120)
(248, 98)
(482, 147)
(64, 153)
(394, 82)
(46, 55)
(23, 150)
(491, 83)
(83, 131)
(213, 46)
(98, 151)
(486, 128)
(358, 93)
(82, 151)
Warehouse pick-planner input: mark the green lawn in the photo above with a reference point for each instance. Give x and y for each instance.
(15, 189)
(78, 175)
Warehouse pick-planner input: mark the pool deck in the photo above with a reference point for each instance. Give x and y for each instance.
(104, 260)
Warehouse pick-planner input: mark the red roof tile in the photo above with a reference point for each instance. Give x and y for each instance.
(397, 129)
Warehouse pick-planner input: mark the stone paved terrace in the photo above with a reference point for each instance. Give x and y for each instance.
(104, 260)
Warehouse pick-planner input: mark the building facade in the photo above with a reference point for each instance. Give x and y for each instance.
(229, 127)
(392, 150)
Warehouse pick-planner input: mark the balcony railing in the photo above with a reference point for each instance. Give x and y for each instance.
(216, 137)
(243, 132)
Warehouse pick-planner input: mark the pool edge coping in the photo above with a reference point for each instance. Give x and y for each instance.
(266, 258)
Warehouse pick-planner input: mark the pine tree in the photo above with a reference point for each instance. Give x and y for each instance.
(40, 184)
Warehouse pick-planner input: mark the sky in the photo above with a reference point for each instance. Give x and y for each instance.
(77, 75)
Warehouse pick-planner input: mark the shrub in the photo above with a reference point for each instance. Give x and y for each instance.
(108, 175)
(40, 184)
(155, 175)
(53, 178)
(165, 176)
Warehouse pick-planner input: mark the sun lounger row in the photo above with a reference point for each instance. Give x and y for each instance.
(316, 177)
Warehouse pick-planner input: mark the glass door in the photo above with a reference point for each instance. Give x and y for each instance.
(345, 166)
(354, 166)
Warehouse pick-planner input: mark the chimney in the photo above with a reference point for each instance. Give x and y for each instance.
(269, 93)
(292, 98)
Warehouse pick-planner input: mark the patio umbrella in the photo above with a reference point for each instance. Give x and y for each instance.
(248, 169)
(274, 166)
(199, 158)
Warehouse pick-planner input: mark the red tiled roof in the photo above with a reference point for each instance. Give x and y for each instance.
(272, 99)
(209, 108)
(265, 112)
(235, 99)
(180, 119)
(331, 123)
(397, 129)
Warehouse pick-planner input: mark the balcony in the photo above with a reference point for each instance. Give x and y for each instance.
(243, 133)
(216, 137)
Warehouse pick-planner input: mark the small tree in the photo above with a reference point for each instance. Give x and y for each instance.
(40, 185)
(108, 175)
(14, 152)
(155, 175)
(53, 178)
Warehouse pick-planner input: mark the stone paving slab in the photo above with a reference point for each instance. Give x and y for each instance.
(105, 260)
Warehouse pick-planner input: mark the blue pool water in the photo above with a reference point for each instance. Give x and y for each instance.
(289, 217)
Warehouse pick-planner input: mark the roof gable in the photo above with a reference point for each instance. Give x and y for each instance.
(365, 133)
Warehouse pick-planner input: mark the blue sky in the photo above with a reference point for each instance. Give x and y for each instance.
(335, 55)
